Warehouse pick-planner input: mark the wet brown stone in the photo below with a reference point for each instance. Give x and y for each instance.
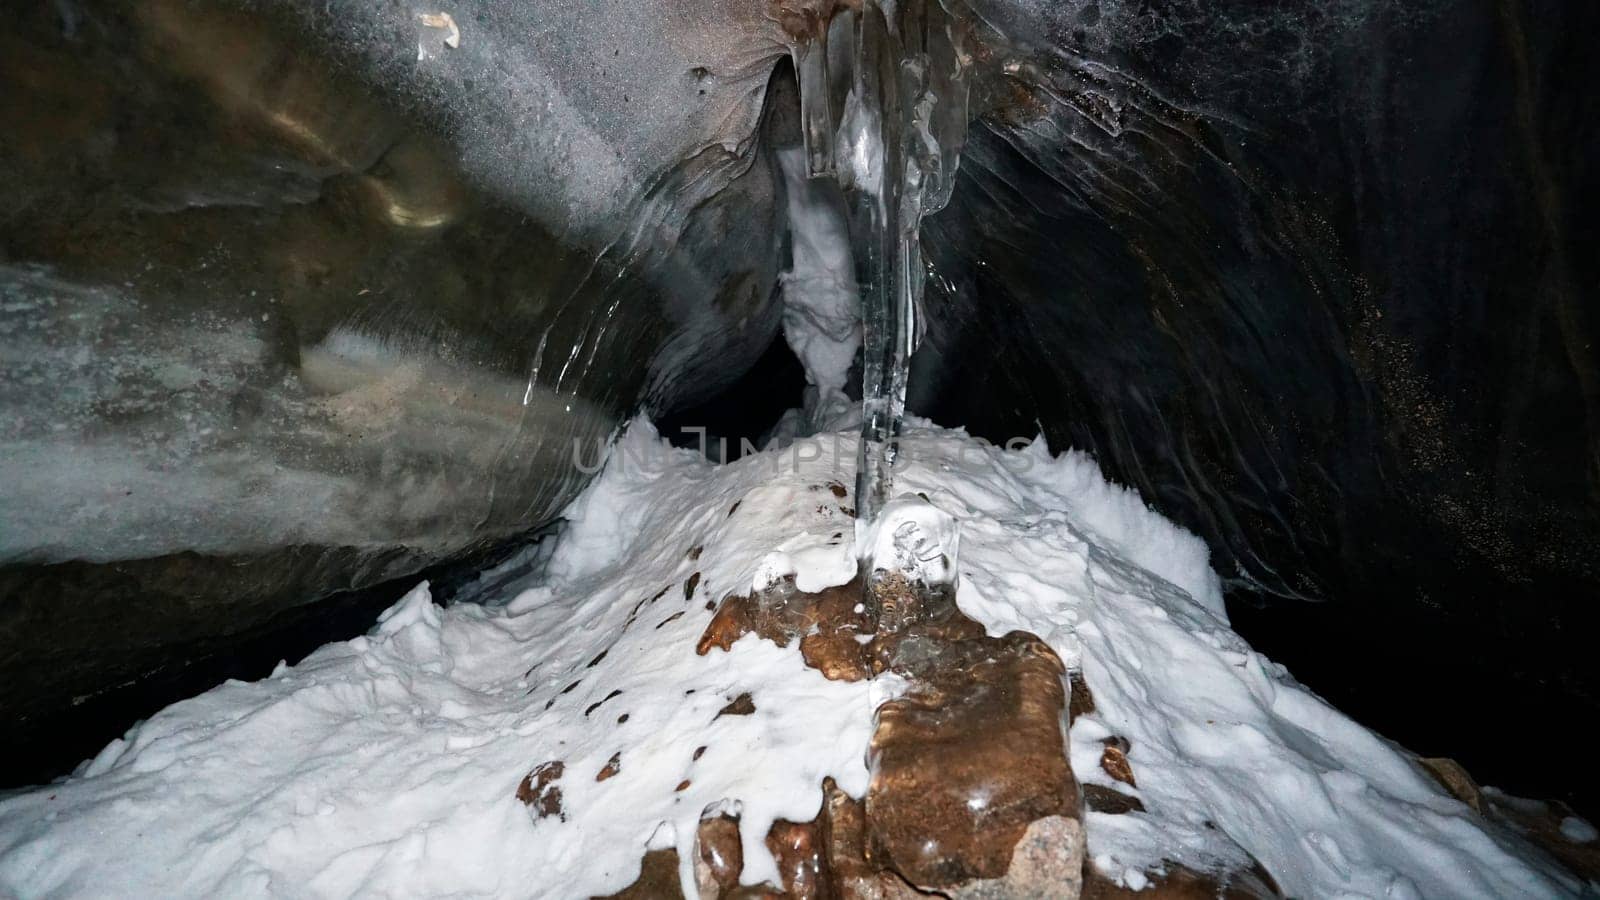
(1114, 760)
(972, 795)
(1455, 779)
(1111, 801)
(694, 553)
(844, 833)
(971, 756)
(741, 705)
(612, 767)
(658, 879)
(1046, 863)
(897, 602)
(826, 622)
(802, 861)
(754, 892)
(838, 490)
(824, 859)
(682, 786)
(689, 586)
(1082, 697)
(539, 792)
(719, 855)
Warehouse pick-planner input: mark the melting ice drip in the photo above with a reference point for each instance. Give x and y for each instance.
(894, 149)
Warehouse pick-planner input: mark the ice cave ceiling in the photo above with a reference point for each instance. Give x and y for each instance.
(301, 298)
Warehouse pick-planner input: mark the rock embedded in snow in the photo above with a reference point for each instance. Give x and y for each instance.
(968, 761)
(390, 764)
(970, 757)
(539, 792)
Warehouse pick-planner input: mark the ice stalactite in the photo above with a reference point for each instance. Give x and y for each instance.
(894, 148)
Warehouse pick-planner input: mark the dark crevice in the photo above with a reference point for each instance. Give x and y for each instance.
(743, 413)
(42, 748)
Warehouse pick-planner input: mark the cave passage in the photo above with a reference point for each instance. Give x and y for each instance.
(1141, 448)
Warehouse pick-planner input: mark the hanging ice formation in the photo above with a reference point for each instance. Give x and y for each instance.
(893, 144)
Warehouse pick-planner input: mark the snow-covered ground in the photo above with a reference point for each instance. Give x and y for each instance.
(388, 765)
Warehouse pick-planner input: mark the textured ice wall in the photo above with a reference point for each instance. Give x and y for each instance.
(570, 111)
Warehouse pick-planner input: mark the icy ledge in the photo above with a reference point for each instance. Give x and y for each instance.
(391, 764)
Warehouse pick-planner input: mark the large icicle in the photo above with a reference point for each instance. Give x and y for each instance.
(896, 148)
(904, 122)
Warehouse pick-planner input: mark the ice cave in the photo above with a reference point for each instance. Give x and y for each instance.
(829, 449)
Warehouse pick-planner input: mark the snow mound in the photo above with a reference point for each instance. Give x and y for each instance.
(390, 764)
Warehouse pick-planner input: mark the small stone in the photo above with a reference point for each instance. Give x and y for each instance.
(741, 705)
(1115, 763)
(538, 791)
(1110, 801)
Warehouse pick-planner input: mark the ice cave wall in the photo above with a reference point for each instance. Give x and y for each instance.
(306, 298)
(1318, 280)
(298, 300)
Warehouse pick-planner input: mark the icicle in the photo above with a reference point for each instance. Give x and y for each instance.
(898, 142)
(816, 111)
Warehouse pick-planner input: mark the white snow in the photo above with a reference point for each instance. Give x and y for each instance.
(386, 765)
(821, 319)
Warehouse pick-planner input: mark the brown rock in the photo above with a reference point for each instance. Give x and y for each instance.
(825, 622)
(802, 864)
(836, 654)
(741, 705)
(1114, 760)
(1047, 864)
(971, 756)
(795, 846)
(658, 879)
(719, 857)
(1110, 801)
(1082, 697)
(612, 767)
(538, 790)
(1453, 778)
(972, 794)
(844, 835)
